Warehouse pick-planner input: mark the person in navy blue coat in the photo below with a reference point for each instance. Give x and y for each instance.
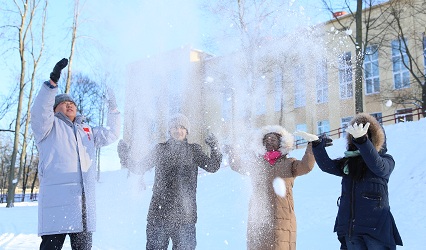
(364, 219)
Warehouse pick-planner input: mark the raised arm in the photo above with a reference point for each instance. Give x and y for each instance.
(323, 160)
(109, 134)
(380, 165)
(42, 115)
(136, 167)
(304, 166)
(210, 164)
(235, 162)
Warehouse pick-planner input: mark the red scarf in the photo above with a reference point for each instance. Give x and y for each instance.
(272, 156)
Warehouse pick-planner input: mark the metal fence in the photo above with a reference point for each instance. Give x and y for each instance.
(18, 197)
(405, 115)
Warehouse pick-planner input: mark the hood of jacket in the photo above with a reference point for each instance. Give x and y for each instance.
(375, 130)
(287, 139)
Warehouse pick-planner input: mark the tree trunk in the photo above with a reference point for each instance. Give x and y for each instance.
(33, 185)
(12, 182)
(73, 42)
(424, 99)
(359, 58)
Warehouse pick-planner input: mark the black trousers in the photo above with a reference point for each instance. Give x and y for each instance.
(79, 241)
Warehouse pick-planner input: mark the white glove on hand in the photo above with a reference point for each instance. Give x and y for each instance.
(358, 130)
(308, 137)
(123, 150)
(112, 103)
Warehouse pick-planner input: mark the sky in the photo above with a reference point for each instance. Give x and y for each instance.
(113, 34)
(222, 200)
(117, 34)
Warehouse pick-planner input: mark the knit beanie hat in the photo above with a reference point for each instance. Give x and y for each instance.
(62, 98)
(179, 120)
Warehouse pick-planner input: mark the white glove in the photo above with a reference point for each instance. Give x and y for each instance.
(358, 130)
(123, 150)
(112, 103)
(308, 137)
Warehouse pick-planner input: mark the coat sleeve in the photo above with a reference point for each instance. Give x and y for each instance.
(210, 164)
(324, 162)
(380, 165)
(148, 162)
(110, 133)
(304, 166)
(237, 164)
(42, 115)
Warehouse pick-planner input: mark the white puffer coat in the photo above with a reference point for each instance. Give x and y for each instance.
(67, 165)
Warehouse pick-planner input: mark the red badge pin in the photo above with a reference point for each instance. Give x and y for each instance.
(87, 130)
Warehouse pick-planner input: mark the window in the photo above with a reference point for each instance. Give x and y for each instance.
(404, 115)
(424, 53)
(299, 87)
(227, 104)
(321, 82)
(401, 76)
(298, 139)
(278, 90)
(345, 76)
(344, 124)
(371, 70)
(378, 116)
(323, 127)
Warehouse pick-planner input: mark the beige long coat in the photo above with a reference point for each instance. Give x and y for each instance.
(272, 220)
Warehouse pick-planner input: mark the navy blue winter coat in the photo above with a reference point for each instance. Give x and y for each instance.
(364, 201)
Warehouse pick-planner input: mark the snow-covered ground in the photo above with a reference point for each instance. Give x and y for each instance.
(223, 202)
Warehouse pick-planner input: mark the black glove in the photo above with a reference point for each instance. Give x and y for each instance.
(324, 139)
(56, 72)
(211, 141)
(123, 152)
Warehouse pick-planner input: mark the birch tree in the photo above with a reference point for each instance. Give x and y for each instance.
(27, 11)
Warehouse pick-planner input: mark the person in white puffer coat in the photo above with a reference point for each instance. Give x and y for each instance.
(67, 164)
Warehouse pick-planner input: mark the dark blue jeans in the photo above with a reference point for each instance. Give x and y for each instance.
(365, 242)
(159, 232)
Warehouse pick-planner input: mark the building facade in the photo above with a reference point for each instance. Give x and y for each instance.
(304, 81)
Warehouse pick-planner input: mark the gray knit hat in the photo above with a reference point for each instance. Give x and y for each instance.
(179, 120)
(62, 98)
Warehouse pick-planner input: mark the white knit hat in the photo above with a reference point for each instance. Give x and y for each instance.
(179, 120)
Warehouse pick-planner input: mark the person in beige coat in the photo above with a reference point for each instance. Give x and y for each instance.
(271, 220)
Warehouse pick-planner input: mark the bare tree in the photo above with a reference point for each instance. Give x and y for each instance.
(78, 7)
(407, 43)
(368, 27)
(29, 169)
(34, 180)
(5, 155)
(36, 52)
(253, 25)
(27, 11)
(90, 98)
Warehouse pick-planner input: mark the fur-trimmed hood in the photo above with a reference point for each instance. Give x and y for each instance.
(376, 131)
(287, 139)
